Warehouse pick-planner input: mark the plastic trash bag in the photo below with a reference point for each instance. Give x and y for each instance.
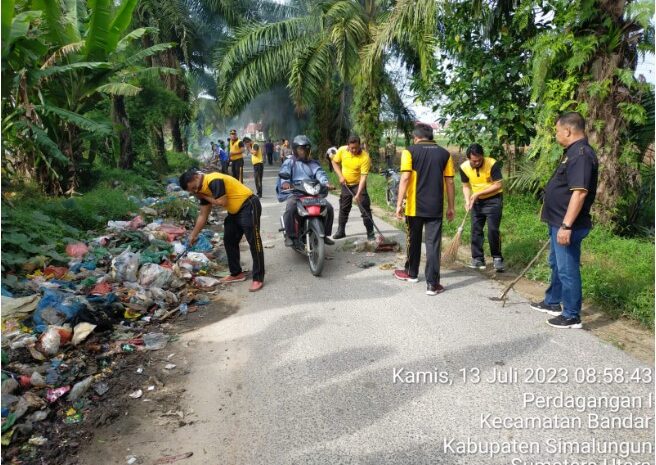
(77, 249)
(202, 244)
(153, 275)
(125, 266)
(56, 308)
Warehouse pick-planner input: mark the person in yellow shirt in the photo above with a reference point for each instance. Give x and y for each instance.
(258, 166)
(352, 165)
(426, 168)
(236, 156)
(481, 185)
(244, 211)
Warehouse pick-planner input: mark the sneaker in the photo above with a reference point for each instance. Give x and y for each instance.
(289, 242)
(328, 241)
(339, 234)
(561, 322)
(234, 279)
(256, 286)
(498, 264)
(371, 236)
(553, 310)
(434, 289)
(477, 264)
(403, 276)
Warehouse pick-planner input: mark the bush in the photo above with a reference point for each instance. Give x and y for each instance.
(180, 162)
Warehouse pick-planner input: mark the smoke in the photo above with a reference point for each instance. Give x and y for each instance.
(275, 110)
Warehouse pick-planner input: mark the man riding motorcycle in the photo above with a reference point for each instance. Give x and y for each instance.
(300, 167)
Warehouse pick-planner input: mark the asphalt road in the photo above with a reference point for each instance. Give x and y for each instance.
(315, 371)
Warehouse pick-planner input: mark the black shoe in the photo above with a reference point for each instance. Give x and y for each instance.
(371, 236)
(553, 310)
(289, 242)
(497, 263)
(561, 322)
(339, 234)
(434, 289)
(328, 241)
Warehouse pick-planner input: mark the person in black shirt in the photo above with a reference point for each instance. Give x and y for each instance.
(426, 173)
(268, 150)
(568, 196)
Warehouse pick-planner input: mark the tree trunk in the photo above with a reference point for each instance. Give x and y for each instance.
(160, 149)
(122, 122)
(176, 134)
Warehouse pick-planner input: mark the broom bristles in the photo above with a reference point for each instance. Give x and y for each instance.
(451, 252)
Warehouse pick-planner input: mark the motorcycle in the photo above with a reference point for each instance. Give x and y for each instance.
(311, 208)
(392, 189)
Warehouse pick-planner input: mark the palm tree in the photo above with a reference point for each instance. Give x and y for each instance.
(342, 43)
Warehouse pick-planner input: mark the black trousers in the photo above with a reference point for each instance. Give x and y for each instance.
(258, 170)
(489, 210)
(246, 222)
(238, 169)
(346, 202)
(414, 229)
(224, 166)
(269, 156)
(290, 212)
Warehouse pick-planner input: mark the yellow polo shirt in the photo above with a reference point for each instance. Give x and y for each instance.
(236, 152)
(256, 155)
(217, 185)
(353, 166)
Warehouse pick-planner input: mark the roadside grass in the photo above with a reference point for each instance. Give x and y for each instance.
(617, 272)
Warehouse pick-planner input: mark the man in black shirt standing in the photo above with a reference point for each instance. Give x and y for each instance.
(426, 173)
(568, 197)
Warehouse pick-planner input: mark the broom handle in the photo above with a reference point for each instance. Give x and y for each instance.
(462, 225)
(521, 275)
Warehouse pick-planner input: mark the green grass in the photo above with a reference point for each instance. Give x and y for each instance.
(617, 272)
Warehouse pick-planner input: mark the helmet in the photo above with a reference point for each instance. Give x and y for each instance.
(301, 140)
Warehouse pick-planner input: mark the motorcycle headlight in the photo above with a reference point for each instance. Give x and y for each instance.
(312, 189)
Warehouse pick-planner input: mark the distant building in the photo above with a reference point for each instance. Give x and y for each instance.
(254, 131)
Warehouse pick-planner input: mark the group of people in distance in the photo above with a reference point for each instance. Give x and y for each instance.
(427, 174)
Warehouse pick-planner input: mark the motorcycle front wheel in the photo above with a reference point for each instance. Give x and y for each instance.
(316, 250)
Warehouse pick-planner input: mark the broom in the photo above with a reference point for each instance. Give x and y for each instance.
(451, 253)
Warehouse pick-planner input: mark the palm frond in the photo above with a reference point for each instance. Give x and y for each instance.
(119, 88)
(97, 39)
(309, 72)
(411, 22)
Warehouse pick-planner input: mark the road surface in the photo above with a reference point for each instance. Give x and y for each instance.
(356, 367)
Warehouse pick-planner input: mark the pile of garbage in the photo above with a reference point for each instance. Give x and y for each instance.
(64, 327)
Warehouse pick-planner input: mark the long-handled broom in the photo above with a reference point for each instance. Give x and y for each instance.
(451, 253)
(504, 294)
(382, 244)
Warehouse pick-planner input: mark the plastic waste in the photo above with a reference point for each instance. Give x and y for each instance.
(25, 341)
(5, 292)
(117, 225)
(152, 275)
(53, 394)
(155, 341)
(77, 249)
(82, 331)
(206, 282)
(125, 266)
(50, 341)
(136, 394)
(56, 308)
(79, 389)
(9, 385)
(37, 380)
(172, 231)
(183, 309)
(136, 223)
(101, 388)
(202, 244)
(101, 289)
(56, 272)
(19, 306)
